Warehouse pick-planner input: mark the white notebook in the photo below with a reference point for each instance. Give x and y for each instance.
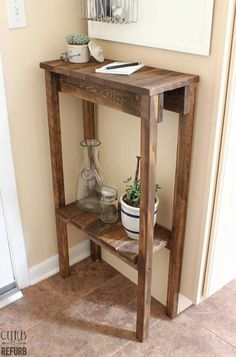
(125, 71)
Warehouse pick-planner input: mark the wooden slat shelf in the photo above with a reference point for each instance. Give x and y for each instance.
(112, 236)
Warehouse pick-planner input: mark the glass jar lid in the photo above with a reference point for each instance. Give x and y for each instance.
(90, 143)
(109, 192)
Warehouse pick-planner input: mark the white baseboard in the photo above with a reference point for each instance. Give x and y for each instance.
(184, 303)
(50, 266)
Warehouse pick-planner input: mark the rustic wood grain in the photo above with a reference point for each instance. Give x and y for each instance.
(160, 106)
(63, 248)
(162, 238)
(180, 201)
(81, 219)
(57, 168)
(113, 98)
(68, 212)
(116, 253)
(174, 100)
(89, 118)
(149, 119)
(112, 236)
(147, 81)
(90, 133)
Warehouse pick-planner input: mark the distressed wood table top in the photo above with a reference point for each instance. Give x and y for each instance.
(147, 81)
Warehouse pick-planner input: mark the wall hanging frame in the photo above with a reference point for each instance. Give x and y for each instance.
(181, 25)
(110, 11)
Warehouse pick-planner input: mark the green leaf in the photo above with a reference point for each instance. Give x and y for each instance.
(133, 191)
(77, 39)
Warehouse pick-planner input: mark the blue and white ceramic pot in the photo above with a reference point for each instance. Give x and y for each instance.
(130, 218)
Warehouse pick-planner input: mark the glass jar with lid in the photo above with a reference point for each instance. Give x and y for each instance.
(109, 204)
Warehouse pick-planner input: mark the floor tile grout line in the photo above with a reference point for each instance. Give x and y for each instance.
(93, 290)
(129, 342)
(155, 323)
(42, 320)
(65, 299)
(87, 293)
(35, 325)
(52, 315)
(208, 329)
(120, 348)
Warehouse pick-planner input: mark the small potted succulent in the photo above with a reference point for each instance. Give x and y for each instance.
(77, 49)
(130, 205)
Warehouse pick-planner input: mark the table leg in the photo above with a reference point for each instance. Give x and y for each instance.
(184, 150)
(90, 133)
(149, 119)
(57, 168)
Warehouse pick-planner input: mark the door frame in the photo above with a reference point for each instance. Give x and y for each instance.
(215, 139)
(230, 110)
(10, 197)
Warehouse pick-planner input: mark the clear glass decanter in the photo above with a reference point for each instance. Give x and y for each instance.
(90, 179)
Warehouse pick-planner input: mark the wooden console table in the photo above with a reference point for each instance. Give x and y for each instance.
(144, 94)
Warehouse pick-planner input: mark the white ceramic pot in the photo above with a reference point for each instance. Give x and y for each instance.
(130, 218)
(78, 53)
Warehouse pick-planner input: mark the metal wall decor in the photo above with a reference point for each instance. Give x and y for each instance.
(110, 11)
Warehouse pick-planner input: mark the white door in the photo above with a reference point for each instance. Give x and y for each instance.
(6, 271)
(9, 204)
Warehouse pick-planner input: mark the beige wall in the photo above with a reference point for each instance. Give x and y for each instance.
(48, 22)
(22, 50)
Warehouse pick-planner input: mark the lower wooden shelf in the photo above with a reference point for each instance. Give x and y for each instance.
(111, 236)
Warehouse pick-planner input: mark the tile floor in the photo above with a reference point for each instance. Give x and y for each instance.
(92, 313)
